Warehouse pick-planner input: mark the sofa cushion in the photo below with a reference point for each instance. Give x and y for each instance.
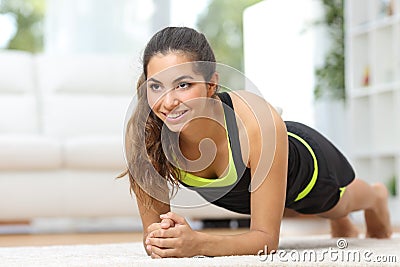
(85, 95)
(90, 74)
(18, 114)
(94, 152)
(68, 116)
(29, 152)
(18, 98)
(16, 72)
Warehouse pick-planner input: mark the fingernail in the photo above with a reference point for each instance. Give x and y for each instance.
(163, 216)
(148, 247)
(147, 241)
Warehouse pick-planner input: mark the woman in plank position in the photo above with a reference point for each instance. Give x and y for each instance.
(233, 149)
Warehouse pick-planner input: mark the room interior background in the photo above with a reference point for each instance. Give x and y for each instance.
(63, 101)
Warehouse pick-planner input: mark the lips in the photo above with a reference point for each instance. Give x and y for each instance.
(175, 115)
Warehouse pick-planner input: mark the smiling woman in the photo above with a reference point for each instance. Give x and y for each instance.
(173, 101)
(235, 151)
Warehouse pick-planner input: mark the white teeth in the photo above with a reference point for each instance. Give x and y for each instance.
(175, 115)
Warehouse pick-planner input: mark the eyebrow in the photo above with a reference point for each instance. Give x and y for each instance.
(154, 80)
(183, 77)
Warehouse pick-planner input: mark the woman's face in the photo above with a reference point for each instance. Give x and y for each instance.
(176, 93)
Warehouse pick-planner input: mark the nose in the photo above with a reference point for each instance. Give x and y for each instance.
(170, 100)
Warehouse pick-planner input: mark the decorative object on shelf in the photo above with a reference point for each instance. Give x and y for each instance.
(390, 8)
(366, 80)
(386, 8)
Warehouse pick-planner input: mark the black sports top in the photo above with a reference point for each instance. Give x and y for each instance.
(232, 191)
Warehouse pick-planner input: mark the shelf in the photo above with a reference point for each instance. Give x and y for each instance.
(383, 118)
(375, 169)
(398, 174)
(367, 91)
(396, 44)
(360, 61)
(383, 54)
(376, 154)
(373, 87)
(377, 24)
(382, 8)
(360, 118)
(385, 169)
(363, 169)
(359, 12)
(396, 124)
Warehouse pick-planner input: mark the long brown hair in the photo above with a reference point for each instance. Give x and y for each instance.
(146, 158)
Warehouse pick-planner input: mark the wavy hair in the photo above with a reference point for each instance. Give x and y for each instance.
(146, 158)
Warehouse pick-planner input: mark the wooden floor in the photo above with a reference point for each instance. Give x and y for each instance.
(290, 228)
(84, 238)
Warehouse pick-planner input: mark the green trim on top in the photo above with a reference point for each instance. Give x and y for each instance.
(342, 189)
(229, 179)
(311, 184)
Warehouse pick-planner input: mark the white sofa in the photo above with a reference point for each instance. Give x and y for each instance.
(61, 138)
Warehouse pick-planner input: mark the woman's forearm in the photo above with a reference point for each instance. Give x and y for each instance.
(145, 235)
(248, 243)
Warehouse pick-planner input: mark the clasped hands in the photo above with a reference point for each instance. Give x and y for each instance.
(172, 237)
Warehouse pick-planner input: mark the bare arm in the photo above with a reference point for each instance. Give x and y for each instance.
(151, 217)
(267, 204)
(267, 201)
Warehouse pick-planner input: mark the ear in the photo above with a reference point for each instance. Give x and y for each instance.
(212, 85)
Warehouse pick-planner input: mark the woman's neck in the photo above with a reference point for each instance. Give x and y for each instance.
(211, 127)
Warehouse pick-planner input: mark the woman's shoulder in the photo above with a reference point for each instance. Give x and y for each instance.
(247, 99)
(247, 103)
(255, 112)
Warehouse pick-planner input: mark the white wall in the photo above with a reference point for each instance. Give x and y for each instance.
(279, 55)
(186, 13)
(92, 26)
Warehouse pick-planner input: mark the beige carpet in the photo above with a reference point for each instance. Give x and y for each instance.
(320, 250)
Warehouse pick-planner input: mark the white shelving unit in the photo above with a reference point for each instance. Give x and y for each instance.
(373, 90)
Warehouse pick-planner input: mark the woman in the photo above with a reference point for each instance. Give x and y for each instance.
(252, 162)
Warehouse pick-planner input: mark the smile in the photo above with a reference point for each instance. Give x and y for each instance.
(176, 115)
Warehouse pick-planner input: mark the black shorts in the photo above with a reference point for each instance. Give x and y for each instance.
(308, 148)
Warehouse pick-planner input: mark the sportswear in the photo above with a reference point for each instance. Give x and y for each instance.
(317, 171)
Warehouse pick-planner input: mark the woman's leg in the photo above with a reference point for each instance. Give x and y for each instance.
(359, 195)
(343, 227)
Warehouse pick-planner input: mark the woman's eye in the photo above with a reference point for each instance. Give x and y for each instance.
(155, 87)
(183, 85)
